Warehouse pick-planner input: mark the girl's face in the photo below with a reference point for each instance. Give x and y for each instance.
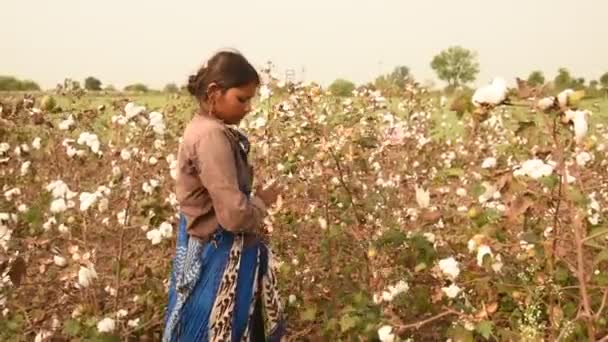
(233, 104)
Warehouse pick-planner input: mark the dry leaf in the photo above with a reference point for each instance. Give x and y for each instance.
(17, 271)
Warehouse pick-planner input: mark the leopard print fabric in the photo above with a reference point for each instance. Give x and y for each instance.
(223, 308)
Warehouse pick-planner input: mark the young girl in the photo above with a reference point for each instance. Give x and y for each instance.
(223, 287)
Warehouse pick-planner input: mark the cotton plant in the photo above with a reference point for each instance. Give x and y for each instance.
(62, 196)
(156, 121)
(164, 231)
(492, 94)
(91, 140)
(67, 123)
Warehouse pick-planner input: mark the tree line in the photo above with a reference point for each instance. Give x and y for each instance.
(457, 66)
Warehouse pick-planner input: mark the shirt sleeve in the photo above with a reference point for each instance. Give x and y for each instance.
(233, 209)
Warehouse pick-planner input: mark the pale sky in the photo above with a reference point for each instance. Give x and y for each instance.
(156, 42)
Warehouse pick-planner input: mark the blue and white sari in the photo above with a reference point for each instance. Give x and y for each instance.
(222, 289)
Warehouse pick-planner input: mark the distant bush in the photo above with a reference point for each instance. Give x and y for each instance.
(12, 83)
(171, 88)
(92, 83)
(138, 87)
(341, 87)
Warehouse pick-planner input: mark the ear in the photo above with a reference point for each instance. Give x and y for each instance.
(213, 91)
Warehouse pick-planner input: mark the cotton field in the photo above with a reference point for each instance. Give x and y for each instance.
(399, 220)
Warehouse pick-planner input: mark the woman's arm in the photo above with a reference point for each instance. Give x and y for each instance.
(233, 209)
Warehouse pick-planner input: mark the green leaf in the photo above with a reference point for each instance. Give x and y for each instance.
(576, 196)
(420, 267)
(454, 172)
(460, 334)
(309, 314)
(485, 328)
(348, 322)
(71, 327)
(602, 256)
(597, 233)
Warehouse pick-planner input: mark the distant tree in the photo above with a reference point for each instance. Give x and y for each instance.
(563, 79)
(400, 76)
(92, 83)
(14, 84)
(456, 65)
(604, 81)
(578, 83)
(138, 87)
(110, 88)
(28, 85)
(536, 78)
(342, 87)
(394, 82)
(593, 84)
(171, 88)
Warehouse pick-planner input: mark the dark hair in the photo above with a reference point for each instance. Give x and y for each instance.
(228, 69)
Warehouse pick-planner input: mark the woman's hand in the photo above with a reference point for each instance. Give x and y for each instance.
(269, 195)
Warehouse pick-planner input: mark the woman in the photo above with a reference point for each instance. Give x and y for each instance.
(222, 285)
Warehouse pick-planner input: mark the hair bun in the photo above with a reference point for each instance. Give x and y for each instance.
(193, 85)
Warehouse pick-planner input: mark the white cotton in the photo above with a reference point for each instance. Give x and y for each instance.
(545, 103)
(86, 276)
(583, 158)
(42, 336)
(133, 323)
(87, 200)
(562, 98)
(159, 143)
(579, 119)
(63, 228)
(36, 143)
(497, 265)
(106, 325)
(9, 194)
(385, 334)
(59, 189)
(489, 163)
(67, 123)
(265, 92)
(534, 168)
(60, 261)
(125, 154)
(49, 223)
(322, 223)
(25, 168)
(22, 208)
(157, 122)
(492, 94)
(152, 161)
(89, 139)
(423, 198)
(132, 110)
(258, 123)
(449, 267)
(122, 217)
(155, 236)
(166, 230)
(461, 192)
(58, 206)
(4, 147)
(451, 291)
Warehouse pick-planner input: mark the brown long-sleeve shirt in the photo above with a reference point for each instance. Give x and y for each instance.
(212, 169)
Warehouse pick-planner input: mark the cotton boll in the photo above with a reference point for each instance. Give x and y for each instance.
(492, 94)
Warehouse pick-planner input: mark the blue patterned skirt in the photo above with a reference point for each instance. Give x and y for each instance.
(222, 290)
